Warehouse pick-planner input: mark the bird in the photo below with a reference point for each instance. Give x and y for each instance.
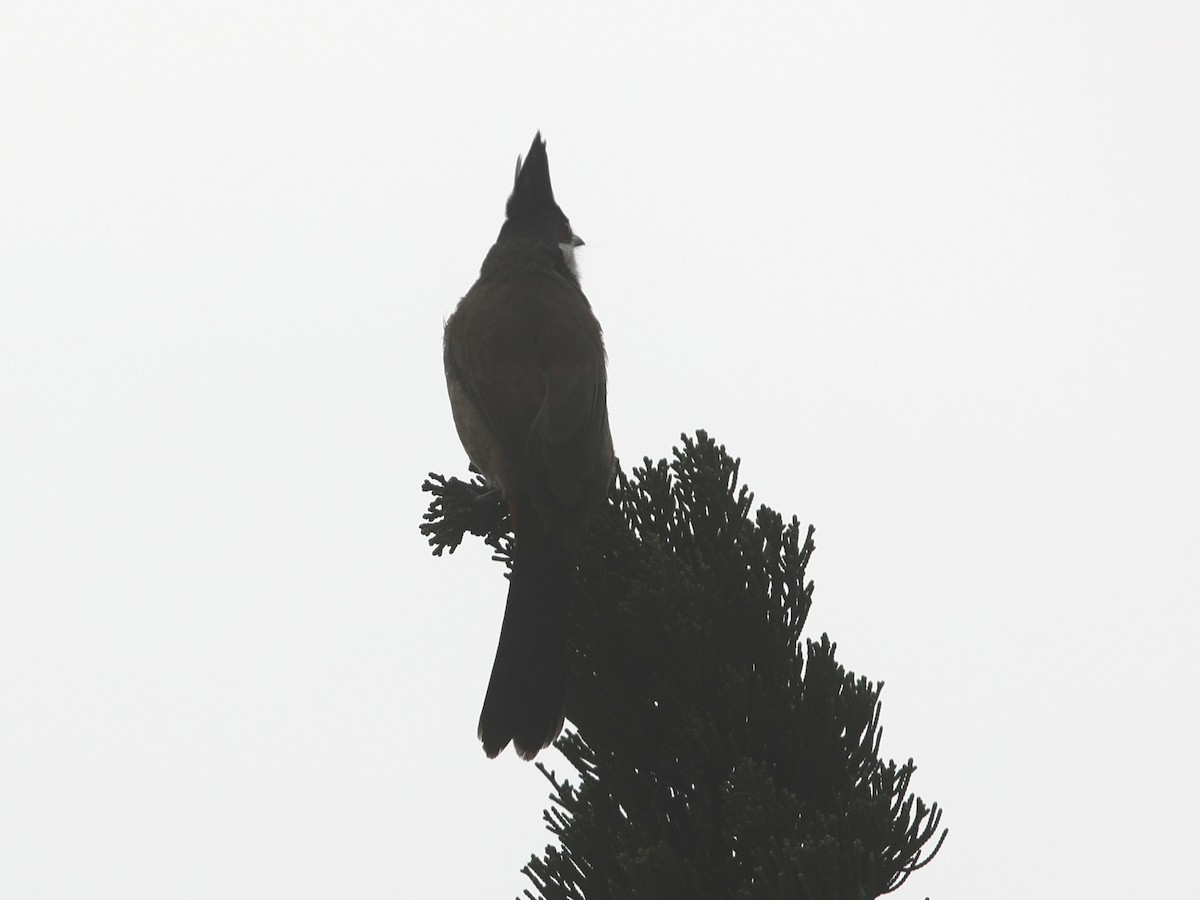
(526, 371)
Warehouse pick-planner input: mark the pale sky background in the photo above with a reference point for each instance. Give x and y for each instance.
(930, 269)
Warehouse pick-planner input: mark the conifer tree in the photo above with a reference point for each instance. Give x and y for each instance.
(717, 754)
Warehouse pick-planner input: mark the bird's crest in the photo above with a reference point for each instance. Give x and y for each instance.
(532, 195)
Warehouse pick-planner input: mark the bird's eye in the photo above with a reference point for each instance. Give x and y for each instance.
(564, 233)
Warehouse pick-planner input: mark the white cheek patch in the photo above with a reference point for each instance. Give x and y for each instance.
(568, 252)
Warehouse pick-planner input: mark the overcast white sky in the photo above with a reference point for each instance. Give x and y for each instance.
(930, 269)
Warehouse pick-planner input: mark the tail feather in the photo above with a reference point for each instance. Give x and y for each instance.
(527, 690)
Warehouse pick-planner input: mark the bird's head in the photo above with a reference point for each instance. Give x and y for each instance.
(531, 212)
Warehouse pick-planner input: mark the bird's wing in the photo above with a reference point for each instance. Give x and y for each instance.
(529, 357)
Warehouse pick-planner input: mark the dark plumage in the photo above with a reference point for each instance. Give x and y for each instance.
(525, 369)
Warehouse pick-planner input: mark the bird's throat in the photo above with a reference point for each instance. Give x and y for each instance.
(568, 252)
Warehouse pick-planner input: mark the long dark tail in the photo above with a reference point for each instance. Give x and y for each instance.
(527, 690)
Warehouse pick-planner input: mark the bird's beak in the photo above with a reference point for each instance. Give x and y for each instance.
(576, 240)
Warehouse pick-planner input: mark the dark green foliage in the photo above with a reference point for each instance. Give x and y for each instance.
(717, 754)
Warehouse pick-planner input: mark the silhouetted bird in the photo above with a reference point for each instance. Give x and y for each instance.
(525, 368)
